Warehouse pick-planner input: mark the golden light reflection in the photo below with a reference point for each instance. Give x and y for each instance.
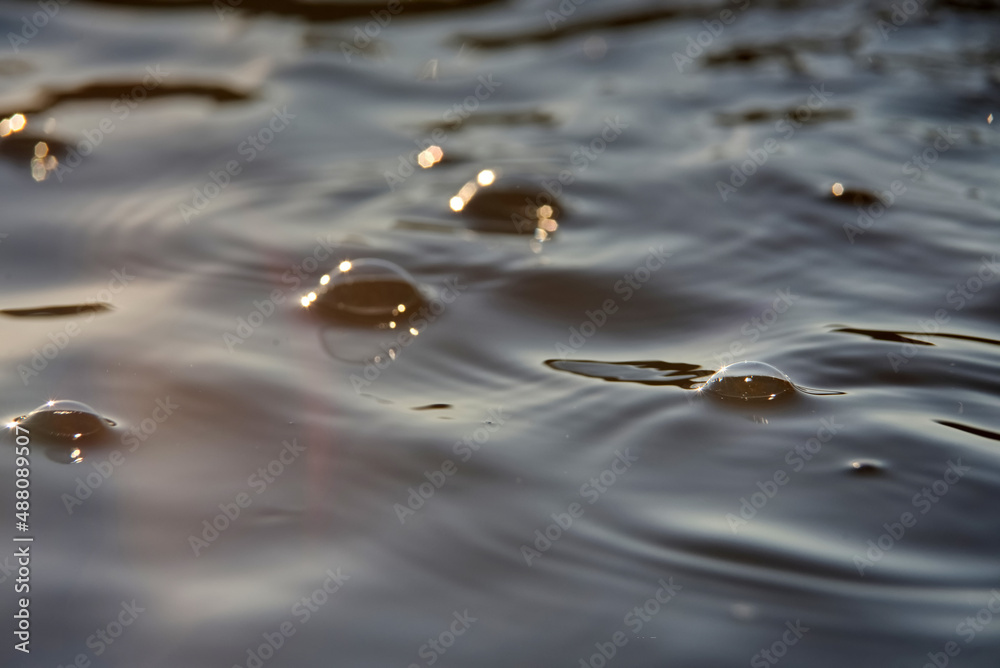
(837, 189)
(465, 193)
(401, 308)
(75, 456)
(430, 156)
(345, 266)
(324, 279)
(308, 299)
(486, 177)
(42, 163)
(15, 123)
(414, 331)
(40, 167)
(392, 324)
(546, 225)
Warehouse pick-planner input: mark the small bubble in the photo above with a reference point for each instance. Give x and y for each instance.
(853, 197)
(866, 467)
(749, 381)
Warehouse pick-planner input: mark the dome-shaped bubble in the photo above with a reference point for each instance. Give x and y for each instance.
(503, 202)
(749, 381)
(367, 290)
(511, 205)
(65, 420)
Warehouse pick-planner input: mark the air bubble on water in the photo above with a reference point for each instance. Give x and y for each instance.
(749, 381)
(867, 467)
(510, 205)
(368, 291)
(65, 420)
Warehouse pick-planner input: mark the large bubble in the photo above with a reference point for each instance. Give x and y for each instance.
(65, 420)
(507, 205)
(749, 381)
(366, 291)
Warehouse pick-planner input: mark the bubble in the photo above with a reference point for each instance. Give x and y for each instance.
(867, 467)
(749, 381)
(852, 197)
(65, 421)
(367, 291)
(508, 205)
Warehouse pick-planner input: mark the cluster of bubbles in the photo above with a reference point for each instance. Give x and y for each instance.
(373, 292)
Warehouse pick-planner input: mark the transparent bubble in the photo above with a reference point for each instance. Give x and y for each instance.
(367, 291)
(508, 205)
(65, 421)
(749, 381)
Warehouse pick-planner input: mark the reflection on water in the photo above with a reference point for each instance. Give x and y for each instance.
(124, 95)
(434, 324)
(57, 311)
(646, 373)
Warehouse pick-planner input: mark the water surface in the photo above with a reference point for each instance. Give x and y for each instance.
(599, 206)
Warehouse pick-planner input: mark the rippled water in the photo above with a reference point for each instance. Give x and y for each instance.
(300, 471)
